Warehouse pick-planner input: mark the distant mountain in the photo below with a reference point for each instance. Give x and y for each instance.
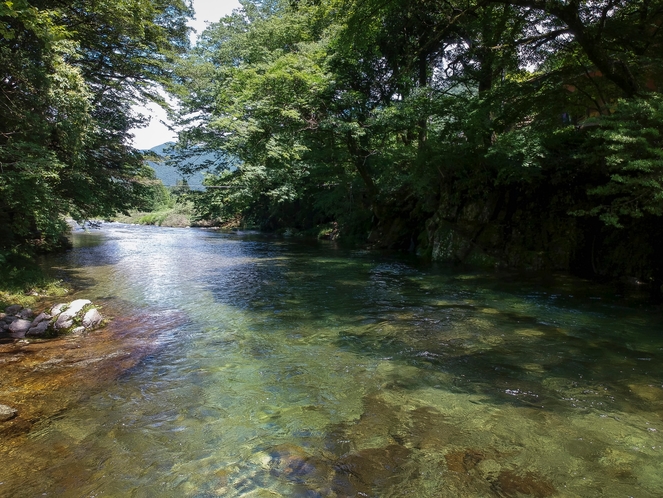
(171, 175)
(160, 150)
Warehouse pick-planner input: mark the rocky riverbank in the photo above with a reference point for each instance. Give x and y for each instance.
(45, 375)
(18, 323)
(77, 317)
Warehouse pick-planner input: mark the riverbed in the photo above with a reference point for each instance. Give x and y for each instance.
(285, 367)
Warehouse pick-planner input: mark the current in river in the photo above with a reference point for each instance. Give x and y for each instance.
(304, 369)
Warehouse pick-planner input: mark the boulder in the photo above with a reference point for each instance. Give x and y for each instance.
(63, 317)
(41, 318)
(19, 327)
(7, 413)
(76, 306)
(66, 318)
(25, 313)
(38, 330)
(13, 309)
(92, 318)
(57, 309)
(64, 321)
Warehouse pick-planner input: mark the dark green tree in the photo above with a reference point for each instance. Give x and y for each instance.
(525, 130)
(71, 72)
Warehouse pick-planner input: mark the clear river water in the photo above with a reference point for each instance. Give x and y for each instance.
(303, 369)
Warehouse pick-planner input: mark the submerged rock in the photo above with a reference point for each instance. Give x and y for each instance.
(291, 462)
(371, 469)
(509, 483)
(463, 461)
(7, 413)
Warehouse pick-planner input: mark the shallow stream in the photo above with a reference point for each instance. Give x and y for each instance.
(302, 369)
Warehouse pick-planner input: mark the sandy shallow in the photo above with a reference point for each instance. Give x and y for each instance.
(42, 378)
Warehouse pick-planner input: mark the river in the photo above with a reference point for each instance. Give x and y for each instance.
(303, 369)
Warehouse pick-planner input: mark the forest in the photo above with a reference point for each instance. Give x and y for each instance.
(511, 133)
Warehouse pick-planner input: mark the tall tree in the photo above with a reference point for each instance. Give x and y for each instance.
(621, 38)
(498, 120)
(71, 72)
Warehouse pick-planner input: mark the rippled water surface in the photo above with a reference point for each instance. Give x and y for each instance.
(302, 369)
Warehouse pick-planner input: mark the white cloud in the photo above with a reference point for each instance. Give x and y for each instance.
(210, 11)
(156, 132)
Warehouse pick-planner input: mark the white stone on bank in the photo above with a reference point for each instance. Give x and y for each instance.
(7, 413)
(92, 318)
(60, 318)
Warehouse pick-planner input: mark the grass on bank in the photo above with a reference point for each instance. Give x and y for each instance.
(23, 282)
(178, 214)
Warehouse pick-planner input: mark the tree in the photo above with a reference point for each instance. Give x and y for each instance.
(70, 74)
(498, 121)
(621, 38)
(626, 151)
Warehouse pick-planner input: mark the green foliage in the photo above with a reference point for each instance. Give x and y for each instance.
(69, 75)
(177, 211)
(23, 282)
(626, 150)
(500, 119)
(153, 194)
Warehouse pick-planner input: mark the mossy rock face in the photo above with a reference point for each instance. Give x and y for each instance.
(450, 245)
(528, 242)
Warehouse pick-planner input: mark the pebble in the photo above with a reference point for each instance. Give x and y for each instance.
(7, 413)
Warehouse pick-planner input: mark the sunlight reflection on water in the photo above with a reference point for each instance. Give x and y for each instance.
(303, 369)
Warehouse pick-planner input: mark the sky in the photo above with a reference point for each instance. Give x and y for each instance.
(156, 132)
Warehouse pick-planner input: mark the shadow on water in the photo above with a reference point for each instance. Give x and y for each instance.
(553, 354)
(306, 369)
(379, 313)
